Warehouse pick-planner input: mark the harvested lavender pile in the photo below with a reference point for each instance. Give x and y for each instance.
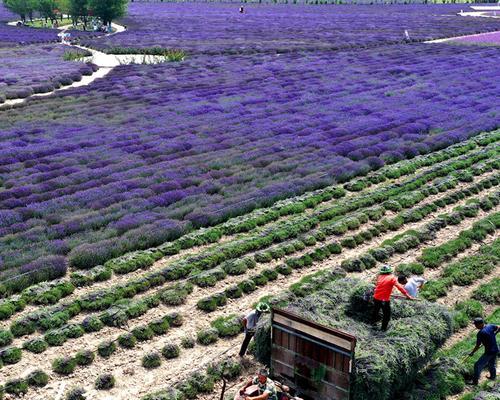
(386, 362)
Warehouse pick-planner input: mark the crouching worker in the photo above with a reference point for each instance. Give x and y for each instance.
(486, 337)
(386, 281)
(250, 324)
(258, 388)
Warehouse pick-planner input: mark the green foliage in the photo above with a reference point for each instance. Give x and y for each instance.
(228, 326)
(76, 393)
(151, 360)
(22, 328)
(171, 350)
(64, 365)
(55, 338)
(175, 319)
(6, 338)
(187, 342)
(143, 333)
(16, 387)
(472, 308)
(127, 340)
(105, 382)
(159, 326)
(489, 292)
(84, 357)
(37, 378)
(11, 355)
(233, 292)
(207, 336)
(37, 345)
(410, 269)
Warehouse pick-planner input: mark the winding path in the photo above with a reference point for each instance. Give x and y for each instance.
(105, 62)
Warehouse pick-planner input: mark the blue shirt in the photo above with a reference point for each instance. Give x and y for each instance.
(487, 338)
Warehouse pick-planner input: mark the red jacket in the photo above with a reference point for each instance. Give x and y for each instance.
(385, 284)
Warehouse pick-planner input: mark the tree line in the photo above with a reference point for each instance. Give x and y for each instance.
(78, 10)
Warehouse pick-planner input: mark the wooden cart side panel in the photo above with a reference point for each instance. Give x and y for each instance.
(302, 349)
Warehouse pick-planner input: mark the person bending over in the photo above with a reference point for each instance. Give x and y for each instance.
(386, 281)
(266, 387)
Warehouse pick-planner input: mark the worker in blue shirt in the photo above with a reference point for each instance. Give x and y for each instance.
(485, 337)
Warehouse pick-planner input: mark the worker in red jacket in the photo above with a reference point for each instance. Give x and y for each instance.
(383, 290)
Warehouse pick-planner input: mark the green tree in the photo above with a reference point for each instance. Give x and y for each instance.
(79, 10)
(47, 9)
(107, 10)
(24, 8)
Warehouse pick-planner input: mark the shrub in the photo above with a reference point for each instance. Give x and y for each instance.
(348, 242)
(207, 336)
(174, 296)
(74, 331)
(151, 360)
(16, 387)
(84, 357)
(106, 348)
(159, 326)
(283, 269)
(260, 279)
(36, 346)
(104, 382)
(76, 394)
(472, 308)
(171, 350)
(233, 292)
(228, 326)
(127, 340)
(410, 269)
(37, 378)
(175, 319)
(247, 286)
(270, 274)
(55, 338)
(12, 355)
(6, 338)
(352, 264)
(22, 327)
(92, 324)
(488, 292)
(207, 304)
(334, 248)
(143, 333)
(203, 383)
(64, 365)
(187, 342)
(368, 260)
(7, 309)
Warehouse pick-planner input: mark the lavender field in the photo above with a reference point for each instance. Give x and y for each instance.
(217, 29)
(290, 141)
(216, 136)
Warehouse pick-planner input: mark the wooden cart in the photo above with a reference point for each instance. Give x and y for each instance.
(314, 359)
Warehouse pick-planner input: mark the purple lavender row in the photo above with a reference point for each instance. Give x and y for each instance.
(219, 28)
(139, 157)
